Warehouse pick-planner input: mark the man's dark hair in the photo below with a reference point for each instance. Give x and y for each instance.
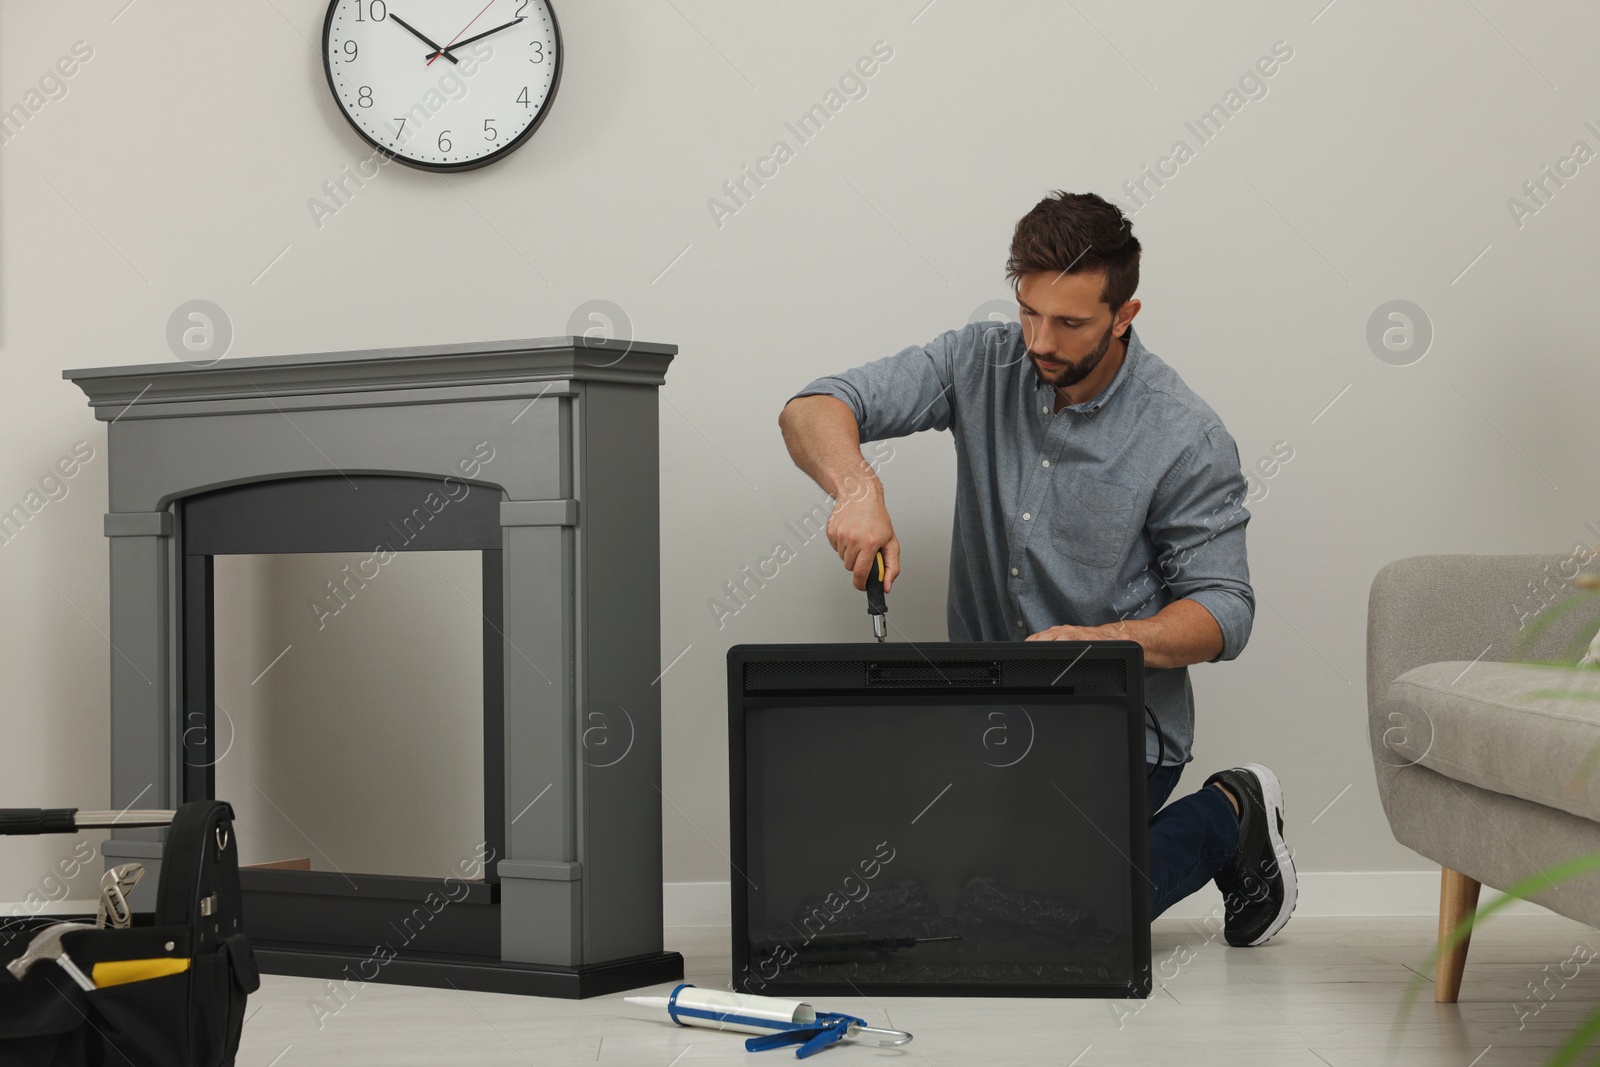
(1076, 233)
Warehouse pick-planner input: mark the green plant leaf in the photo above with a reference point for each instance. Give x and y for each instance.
(1562, 694)
(1521, 644)
(1591, 757)
(1580, 1040)
(1550, 876)
(1580, 644)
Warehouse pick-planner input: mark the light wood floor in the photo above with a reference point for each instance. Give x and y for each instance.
(1325, 991)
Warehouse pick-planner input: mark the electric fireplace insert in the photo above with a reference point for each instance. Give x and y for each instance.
(939, 819)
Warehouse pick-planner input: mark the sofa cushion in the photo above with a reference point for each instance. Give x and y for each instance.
(1501, 726)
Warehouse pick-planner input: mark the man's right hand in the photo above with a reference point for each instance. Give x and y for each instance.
(825, 442)
(857, 529)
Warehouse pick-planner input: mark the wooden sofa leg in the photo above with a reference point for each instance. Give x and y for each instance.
(1458, 899)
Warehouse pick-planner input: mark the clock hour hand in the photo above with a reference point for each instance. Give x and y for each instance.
(475, 37)
(418, 35)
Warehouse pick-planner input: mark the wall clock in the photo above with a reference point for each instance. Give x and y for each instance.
(443, 84)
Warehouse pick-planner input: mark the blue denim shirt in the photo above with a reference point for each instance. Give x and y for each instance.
(1109, 509)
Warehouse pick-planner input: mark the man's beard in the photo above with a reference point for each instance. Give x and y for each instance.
(1073, 373)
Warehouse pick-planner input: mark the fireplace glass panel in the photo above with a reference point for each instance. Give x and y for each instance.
(939, 843)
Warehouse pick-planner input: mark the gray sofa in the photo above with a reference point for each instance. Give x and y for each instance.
(1476, 772)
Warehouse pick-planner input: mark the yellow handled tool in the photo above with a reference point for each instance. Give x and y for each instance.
(877, 606)
(120, 972)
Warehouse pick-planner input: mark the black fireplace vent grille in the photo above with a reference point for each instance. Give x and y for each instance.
(925, 674)
(1086, 675)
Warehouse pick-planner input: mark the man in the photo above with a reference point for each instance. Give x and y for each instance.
(1097, 498)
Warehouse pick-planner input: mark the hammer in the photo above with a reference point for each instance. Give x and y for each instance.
(46, 945)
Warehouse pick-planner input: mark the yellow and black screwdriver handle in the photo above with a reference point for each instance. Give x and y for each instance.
(877, 607)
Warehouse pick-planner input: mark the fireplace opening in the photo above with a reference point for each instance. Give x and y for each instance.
(343, 684)
(349, 708)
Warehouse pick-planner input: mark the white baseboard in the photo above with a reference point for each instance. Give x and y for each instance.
(1357, 894)
(1330, 894)
(1322, 893)
(13, 909)
(696, 904)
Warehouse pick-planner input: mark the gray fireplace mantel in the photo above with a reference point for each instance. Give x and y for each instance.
(164, 390)
(573, 423)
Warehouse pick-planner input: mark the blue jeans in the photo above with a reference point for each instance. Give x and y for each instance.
(1190, 839)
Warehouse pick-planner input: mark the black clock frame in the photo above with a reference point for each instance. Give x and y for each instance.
(473, 164)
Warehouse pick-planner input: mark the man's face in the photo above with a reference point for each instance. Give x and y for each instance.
(1065, 324)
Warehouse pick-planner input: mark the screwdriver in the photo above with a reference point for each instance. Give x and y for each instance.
(877, 607)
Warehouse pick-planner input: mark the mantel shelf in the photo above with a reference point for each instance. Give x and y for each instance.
(111, 390)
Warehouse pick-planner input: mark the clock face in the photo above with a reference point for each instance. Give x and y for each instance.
(443, 84)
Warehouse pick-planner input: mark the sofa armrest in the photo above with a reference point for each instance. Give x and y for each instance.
(1425, 609)
(1430, 609)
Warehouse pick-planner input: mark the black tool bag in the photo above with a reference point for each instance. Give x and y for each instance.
(191, 1017)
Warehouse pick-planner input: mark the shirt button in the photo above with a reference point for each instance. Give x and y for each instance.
(1019, 624)
(1013, 572)
(1046, 409)
(1026, 516)
(1047, 463)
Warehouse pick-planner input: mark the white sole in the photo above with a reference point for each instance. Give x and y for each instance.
(1272, 796)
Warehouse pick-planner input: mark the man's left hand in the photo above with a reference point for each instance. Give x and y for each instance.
(1073, 633)
(1181, 633)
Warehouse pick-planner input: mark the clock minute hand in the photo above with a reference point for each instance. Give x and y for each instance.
(477, 37)
(419, 36)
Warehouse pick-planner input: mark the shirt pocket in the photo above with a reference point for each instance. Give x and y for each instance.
(1093, 521)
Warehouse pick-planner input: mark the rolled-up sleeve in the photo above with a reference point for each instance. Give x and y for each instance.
(1196, 523)
(901, 394)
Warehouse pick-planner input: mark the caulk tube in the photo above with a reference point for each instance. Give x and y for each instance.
(744, 1013)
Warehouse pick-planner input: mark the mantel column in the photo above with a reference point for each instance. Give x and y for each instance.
(541, 916)
(144, 741)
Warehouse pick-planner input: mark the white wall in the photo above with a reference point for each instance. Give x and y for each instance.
(1377, 167)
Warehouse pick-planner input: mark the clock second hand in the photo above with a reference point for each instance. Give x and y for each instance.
(464, 29)
(475, 37)
(418, 35)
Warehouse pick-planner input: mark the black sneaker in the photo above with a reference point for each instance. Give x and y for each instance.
(1258, 883)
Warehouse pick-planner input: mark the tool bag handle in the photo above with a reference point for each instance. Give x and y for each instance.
(18, 821)
(199, 884)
